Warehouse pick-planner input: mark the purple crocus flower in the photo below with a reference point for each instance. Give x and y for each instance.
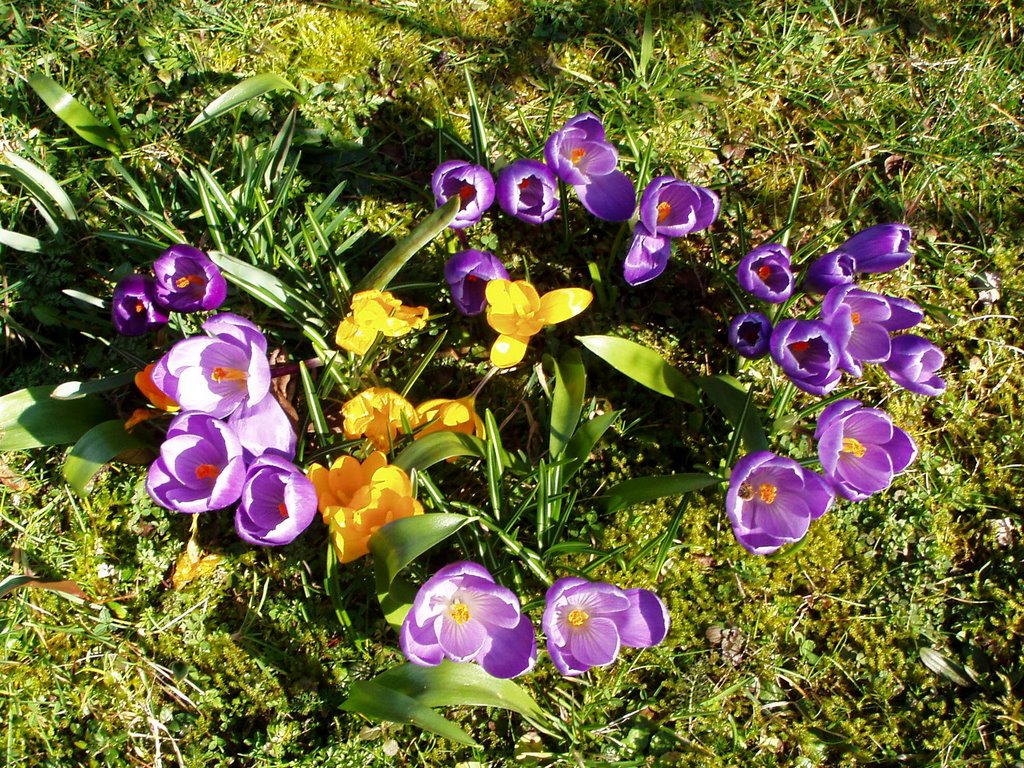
(134, 308)
(880, 248)
(861, 450)
(579, 155)
(200, 466)
(772, 500)
(217, 374)
(587, 622)
(467, 274)
(473, 184)
(673, 208)
(750, 333)
(647, 257)
(808, 353)
(913, 363)
(263, 428)
(188, 281)
(528, 190)
(765, 273)
(862, 322)
(462, 615)
(278, 503)
(828, 271)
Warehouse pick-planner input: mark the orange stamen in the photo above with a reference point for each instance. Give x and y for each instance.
(855, 318)
(187, 280)
(139, 308)
(577, 154)
(764, 272)
(799, 346)
(524, 183)
(664, 209)
(467, 192)
(228, 374)
(207, 472)
(282, 509)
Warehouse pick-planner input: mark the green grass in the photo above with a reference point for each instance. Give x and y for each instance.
(861, 111)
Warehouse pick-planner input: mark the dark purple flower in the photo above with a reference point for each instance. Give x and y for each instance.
(913, 363)
(263, 428)
(134, 308)
(188, 281)
(467, 274)
(750, 333)
(808, 353)
(766, 274)
(217, 374)
(462, 615)
(673, 208)
(586, 622)
(473, 184)
(861, 450)
(880, 248)
(647, 257)
(278, 503)
(862, 322)
(828, 271)
(200, 466)
(528, 190)
(772, 500)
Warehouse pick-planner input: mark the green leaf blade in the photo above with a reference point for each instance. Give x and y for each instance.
(96, 448)
(30, 418)
(643, 365)
(236, 96)
(566, 401)
(73, 113)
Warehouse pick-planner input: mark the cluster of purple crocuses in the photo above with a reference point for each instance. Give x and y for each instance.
(580, 156)
(461, 614)
(185, 281)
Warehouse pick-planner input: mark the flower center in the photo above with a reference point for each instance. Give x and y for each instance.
(467, 192)
(525, 183)
(855, 318)
(767, 492)
(664, 209)
(282, 509)
(854, 446)
(139, 308)
(207, 472)
(187, 280)
(799, 346)
(228, 374)
(764, 271)
(577, 154)
(459, 613)
(578, 617)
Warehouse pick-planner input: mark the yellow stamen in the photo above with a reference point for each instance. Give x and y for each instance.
(854, 446)
(228, 374)
(207, 472)
(187, 280)
(664, 209)
(855, 318)
(767, 492)
(578, 617)
(459, 613)
(577, 154)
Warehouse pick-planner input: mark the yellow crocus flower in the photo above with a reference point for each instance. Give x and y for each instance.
(517, 312)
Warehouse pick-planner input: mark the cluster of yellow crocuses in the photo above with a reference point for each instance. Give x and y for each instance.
(381, 414)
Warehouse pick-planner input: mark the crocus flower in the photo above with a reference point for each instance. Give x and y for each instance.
(579, 155)
(473, 184)
(377, 312)
(379, 414)
(861, 450)
(461, 614)
(750, 333)
(808, 353)
(862, 322)
(356, 499)
(188, 281)
(264, 428)
(880, 248)
(586, 623)
(913, 363)
(673, 208)
(647, 257)
(517, 312)
(449, 416)
(218, 373)
(765, 273)
(145, 385)
(200, 466)
(278, 503)
(772, 500)
(467, 274)
(828, 271)
(528, 190)
(134, 308)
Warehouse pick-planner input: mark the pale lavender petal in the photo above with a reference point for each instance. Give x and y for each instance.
(419, 644)
(460, 642)
(596, 643)
(646, 622)
(263, 428)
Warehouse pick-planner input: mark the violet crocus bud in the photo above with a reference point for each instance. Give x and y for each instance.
(750, 333)
(765, 273)
(860, 449)
(278, 503)
(473, 184)
(587, 622)
(673, 208)
(528, 190)
(467, 274)
(134, 308)
(200, 467)
(828, 271)
(647, 257)
(913, 364)
(460, 614)
(772, 500)
(880, 248)
(808, 353)
(862, 322)
(188, 281)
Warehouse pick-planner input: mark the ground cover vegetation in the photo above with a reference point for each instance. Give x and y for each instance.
(891, 634)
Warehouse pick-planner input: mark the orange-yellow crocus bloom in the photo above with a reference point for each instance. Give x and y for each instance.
(517, 312)
(375, 312)
(378, 414)
(156, 396)
(450, 416)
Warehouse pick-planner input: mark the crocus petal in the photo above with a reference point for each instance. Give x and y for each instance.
(461, 642)
(507, 351)
(611, 197)
(596, 643)
(562, 304)
(419, 644)
(648, 256)
(512, 652)
(264, 427)
(646, 622)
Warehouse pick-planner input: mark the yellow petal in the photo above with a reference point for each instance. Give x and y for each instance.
(507, 298)
(563, 303)
(507, 351)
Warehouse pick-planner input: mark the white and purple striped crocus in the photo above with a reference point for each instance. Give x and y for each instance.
(528, 190)
(580, 156)
(766, 274)
(200, 467)
(772, 500)
(472, 184)
(467, 274)
(860, 449)
(808, 353)
(750, 334)
(862, 322)
(462, 615)
(134, 307)
(914, 363)
(187, 280)
(278, 502)
(587, 622)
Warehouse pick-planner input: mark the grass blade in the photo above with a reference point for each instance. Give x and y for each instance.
(73, 113)
(239, 94)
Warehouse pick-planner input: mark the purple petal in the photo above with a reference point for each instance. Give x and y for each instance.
(419, 644)
(913, 363)
(646, 622)
(460, 642)
(134, 307)
(264, 427)
(880, 248)
(528, 190)
(647, 257)
(610, 197)
(512, 652)
(828, 271)
(188, 280)
(467, 274)
(596, 643)
(765, 273)
(749, 334)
